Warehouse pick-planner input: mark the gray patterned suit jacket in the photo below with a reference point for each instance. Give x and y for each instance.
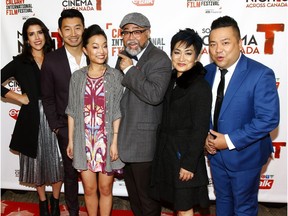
(141, 105)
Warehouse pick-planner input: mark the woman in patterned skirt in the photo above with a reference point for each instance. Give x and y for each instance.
(40, 161)
(93, 121)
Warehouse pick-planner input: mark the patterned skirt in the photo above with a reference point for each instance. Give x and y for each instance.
(47, 167)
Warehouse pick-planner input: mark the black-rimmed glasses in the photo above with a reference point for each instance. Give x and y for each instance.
(136, 33)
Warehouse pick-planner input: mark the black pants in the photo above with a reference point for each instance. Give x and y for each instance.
(137, 181)
(70, 175)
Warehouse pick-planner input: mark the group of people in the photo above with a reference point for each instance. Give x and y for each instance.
(151, 118)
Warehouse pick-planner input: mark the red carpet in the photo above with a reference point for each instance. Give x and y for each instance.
(9, 208)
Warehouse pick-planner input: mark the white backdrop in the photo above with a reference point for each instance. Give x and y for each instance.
(263, 26)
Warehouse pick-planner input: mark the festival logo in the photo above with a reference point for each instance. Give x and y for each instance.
(13, 113)
(277, 82)
(209, 6)
(17, 173)
(116, 39)
(117, 42)
(277, 149)
(83, 5)
(15, 7)
(250, 45)
(269, 30)
(250, 41)
(143, 2)
(266, 3)
(205, 37)
(266, 182)
(13, 85)
(158, 42)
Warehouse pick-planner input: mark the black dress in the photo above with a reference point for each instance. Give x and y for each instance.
(180, 141)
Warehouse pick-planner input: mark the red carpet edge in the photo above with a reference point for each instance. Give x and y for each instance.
(10, 208)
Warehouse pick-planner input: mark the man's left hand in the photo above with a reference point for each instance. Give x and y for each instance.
(219, 141)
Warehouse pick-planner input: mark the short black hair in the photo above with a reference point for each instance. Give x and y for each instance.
(226, 21)
(189, 37)
(70, 13)
(90, 32)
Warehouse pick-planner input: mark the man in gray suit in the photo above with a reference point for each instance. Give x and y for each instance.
(147, 72)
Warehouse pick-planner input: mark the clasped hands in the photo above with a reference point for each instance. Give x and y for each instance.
(215, 141)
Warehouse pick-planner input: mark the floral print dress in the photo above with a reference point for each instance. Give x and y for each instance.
(94, 120)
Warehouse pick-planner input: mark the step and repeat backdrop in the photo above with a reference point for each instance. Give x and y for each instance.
(263, 25)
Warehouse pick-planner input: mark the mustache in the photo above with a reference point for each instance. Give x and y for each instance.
(129, 42)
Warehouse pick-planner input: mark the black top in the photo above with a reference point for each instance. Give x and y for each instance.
(25, 135)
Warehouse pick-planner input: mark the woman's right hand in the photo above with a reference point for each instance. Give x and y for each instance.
(185, 175)
(69, 150)
(23, 99)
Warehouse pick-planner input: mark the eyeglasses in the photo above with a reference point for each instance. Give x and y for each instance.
(136, 33)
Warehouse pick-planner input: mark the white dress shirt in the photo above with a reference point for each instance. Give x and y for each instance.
(72, 61)
(216, 82)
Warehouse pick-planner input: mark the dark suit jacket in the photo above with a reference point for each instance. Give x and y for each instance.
(55, 77)
(141, 108)
(25, 135)
(249, 112)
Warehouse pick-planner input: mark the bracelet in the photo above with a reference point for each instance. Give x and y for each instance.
(115, 132)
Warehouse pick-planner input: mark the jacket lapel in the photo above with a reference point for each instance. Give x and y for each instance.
(145, 56)
(141, 61)
(235, 83)
(66, 66)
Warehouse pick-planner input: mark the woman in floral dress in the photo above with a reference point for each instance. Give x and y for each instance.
(93, 121)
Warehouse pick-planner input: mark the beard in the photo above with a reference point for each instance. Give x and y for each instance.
(134, 52)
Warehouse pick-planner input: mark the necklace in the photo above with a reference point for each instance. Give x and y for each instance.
(38, 60)
(97, 73)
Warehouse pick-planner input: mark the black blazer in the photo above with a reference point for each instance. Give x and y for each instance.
(55, 78)
(25, 135)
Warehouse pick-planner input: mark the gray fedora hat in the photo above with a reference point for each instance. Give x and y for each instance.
(135, 18)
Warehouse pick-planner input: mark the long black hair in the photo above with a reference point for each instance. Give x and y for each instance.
(27, 50)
